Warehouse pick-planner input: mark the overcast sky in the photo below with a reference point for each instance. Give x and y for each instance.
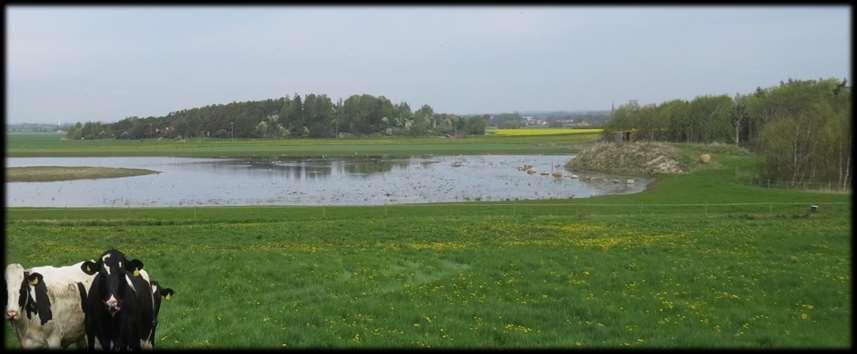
(106, 63)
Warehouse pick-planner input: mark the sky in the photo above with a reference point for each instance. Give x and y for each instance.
(70, 64)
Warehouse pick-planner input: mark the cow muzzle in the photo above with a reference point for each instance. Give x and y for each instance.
(112, 306)
(11, 315)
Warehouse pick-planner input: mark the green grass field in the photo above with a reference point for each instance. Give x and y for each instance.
(545, 131)
(697, 260)
(32, 145)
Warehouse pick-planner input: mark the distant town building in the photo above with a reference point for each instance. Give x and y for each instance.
(535, 122)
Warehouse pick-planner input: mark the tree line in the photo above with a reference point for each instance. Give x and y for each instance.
(315, 116)
(801, 128)
(508, 120)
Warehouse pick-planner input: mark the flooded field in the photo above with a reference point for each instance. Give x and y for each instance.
(337, 181)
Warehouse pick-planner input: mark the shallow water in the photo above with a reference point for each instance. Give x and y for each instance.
(332, 181)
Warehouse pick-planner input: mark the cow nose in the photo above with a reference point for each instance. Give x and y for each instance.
(11, 314)
(112, 305)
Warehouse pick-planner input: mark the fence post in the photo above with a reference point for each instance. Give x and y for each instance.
(706, 208)
(323, 213)
(769, 183)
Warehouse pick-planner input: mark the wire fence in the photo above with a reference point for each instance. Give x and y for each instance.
(748, 210)
(571, 208)
(805, 185)
(577, 208)
(794, 208)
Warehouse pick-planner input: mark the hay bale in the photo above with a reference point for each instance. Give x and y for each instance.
(705, 158)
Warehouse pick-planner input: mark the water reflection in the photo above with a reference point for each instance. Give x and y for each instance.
(307, 168)
(339, 181)
(374, 166)
(292, 169)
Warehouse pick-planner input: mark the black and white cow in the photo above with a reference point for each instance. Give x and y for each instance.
(45, 305)
(158, 294)
(119, 310)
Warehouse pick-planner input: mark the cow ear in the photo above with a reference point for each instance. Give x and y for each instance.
(43, 303)
(34, 278)
(24, 292)
(89, 267)
(135, 266)
(167, 293)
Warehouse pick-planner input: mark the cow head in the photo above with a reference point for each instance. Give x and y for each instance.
(167, 292)
(26, 292)
(111, 271)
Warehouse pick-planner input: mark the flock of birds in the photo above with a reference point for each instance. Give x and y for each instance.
(426, 179)
(556, 171)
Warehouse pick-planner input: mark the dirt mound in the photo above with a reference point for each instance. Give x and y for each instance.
(630, 159)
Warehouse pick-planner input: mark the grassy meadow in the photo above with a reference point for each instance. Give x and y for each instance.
(545, 131)
(697, 260)
(35, 145)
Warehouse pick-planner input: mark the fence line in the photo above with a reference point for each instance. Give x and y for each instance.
(454, 204)
(614, 204)
(825, 186)
(329, 212)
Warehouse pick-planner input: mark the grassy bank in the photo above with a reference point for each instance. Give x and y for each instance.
(62, 173)
(32, 145)
(698, 260)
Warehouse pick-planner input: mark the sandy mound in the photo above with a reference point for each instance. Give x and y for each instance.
(629, 158)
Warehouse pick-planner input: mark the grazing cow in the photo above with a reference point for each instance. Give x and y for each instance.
(158, 293)
(119, 306)
(45, 305)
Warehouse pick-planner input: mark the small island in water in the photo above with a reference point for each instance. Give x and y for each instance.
(63, 173)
